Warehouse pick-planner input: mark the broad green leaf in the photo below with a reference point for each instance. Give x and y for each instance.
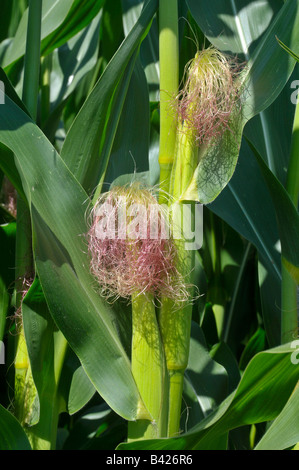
(247, 189)
(206, 380)
(222, 354)
(95, 146)
(12, 435)
(272, 139)
(81, 13)
(234, 26)
(73, 60)
(287, 217)
(129, 153)
(88, 144)
(56, 371)
(53, 14)
(256, 344)
(7, 163)
(270, 67)
(246, 205)
(72, 66)
(149, 50)
(61, 20)
(80, 390)
(263, 391)
(46, 348)
(284, 431)
(239, 205)
(112, 34)
(58, 206)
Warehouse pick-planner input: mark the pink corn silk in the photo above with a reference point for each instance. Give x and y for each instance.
(209, 96)
(125, 265)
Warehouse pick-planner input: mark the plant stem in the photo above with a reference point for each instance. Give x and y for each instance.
(175, 323)
(169, 83)
(24, 387)
(289, 308)
(175, 328)
(32, 57)
(148, 368)
(43, 435)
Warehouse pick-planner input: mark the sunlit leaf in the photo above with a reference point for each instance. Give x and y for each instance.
(259, 397)
(58, 204)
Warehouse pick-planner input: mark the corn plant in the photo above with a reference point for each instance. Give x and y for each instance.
(125, 332)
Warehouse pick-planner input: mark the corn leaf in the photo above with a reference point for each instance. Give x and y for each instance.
(284, 431)
(206, 381)
(81, 13)
(58, 206)
(246, 205)
(61, 20)
(235, 26)
(259, 397)
(12, 435)
(287, 217)
(88, 144)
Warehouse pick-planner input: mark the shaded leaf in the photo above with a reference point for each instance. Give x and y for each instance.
(287, 217)
(206, 381)
(12, 435)
(88, 144)
(284, 431)
(246, 205)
